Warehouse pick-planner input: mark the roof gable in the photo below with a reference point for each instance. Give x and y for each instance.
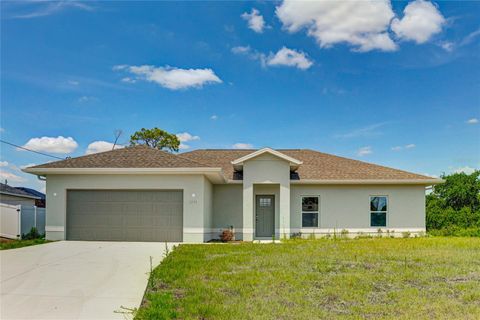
(238, 163)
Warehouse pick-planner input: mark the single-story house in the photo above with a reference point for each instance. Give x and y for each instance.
(15, 196)
(144, 194)
(40, 202)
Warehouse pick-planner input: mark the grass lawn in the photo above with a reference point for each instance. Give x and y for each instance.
(421, 278)
(6, 244)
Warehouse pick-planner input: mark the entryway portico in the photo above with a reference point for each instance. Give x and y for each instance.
(266, 173)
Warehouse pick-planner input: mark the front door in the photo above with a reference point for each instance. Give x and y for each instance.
(265, 216)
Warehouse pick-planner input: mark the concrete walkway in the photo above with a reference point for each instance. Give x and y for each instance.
(75, 279)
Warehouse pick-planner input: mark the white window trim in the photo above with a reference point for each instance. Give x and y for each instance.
(318, 211)
(386, 212)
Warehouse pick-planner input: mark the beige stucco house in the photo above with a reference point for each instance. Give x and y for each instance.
(144, 194)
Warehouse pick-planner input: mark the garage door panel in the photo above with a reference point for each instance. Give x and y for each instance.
(125, 215)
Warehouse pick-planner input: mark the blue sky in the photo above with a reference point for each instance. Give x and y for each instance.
(395, 84)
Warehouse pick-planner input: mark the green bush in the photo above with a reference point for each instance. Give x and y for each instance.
(453, 208)
(32, 234)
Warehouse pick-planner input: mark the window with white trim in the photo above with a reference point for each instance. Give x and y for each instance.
(378, 211)
(310, 211)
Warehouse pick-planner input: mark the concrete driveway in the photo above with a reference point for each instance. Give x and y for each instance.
(75, 279)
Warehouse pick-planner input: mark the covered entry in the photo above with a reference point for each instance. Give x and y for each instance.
(125, 215)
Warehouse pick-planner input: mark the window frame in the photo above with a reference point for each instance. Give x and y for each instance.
(386, 211)
(318, 210)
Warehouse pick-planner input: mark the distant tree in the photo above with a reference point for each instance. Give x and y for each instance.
(155, 138)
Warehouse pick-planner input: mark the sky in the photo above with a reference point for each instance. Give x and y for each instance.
(391, 83)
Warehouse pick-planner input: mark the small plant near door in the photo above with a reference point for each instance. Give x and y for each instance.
(227, 235)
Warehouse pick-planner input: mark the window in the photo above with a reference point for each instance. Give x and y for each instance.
(378, 211)
(265, 202)
(310, 211)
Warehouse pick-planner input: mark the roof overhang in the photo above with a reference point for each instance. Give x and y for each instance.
(19, 195)
(213, 174)
(425, 182)
(238, 163)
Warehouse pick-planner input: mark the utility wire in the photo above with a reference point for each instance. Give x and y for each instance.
(43, 154)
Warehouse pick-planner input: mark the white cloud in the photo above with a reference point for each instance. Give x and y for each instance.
(290, 58)
(129, 80)
(3, 164)
(361, 24)
(466, 169)
(470, 37)
(183, 146)
(420, 22)
(2, 130)
(447, 46)
(363, 151)
(100, 146)
(170, 77)
(185, 137)
(255, 20)
(51, 144)
(84, 99)
(283, 57)
(214, 117)
(472, 121)
(73, 82)
(10, 177)
(400, 148)
(241, 49)
(241, 145)
(47, 8)
(368, 131)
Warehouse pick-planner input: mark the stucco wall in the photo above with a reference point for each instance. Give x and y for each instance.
(227, 209)
(193, 207)
(348, 207)
(264, 170)
(13, 200)
(208, 210)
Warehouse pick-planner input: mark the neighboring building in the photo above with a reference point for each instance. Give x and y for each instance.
(40, 202)
(15, 196)
(144, 194)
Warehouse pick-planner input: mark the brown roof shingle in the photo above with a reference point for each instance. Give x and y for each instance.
(316, 165)
(129, 157)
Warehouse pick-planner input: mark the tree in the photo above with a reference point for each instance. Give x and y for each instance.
(155, 138)
(460, 190)
(455, 204)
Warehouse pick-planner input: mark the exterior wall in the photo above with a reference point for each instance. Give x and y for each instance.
(348, 207)
(207, 210)
(193, 187)
(14, 200)
(228, 209)
(265, 169)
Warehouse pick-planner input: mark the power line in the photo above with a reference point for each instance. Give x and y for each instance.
(43, 154)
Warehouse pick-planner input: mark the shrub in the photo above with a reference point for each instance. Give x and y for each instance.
(32, 234)
(226, 235)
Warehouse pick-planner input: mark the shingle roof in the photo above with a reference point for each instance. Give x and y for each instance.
(6, 189)
(129, 157)
(316, 165)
